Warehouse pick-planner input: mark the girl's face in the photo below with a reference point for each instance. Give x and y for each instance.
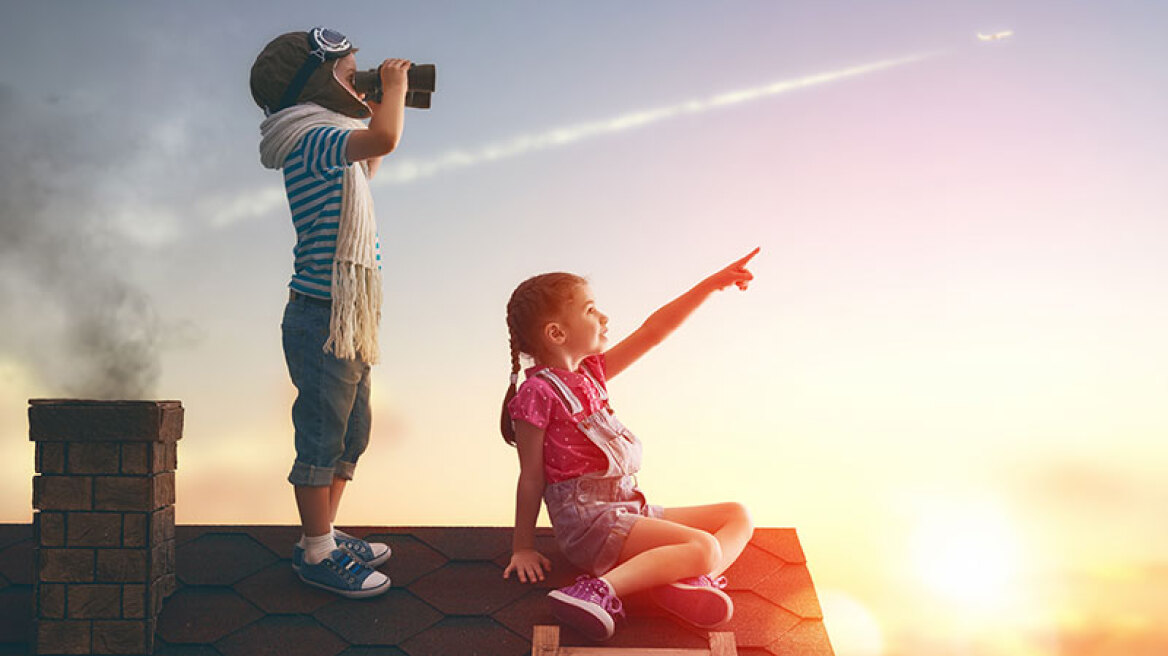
(584, 327)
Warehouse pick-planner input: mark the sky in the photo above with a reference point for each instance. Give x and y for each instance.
(948, 374)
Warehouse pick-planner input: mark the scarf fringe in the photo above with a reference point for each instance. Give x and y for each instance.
(356, 286)
(353, 327)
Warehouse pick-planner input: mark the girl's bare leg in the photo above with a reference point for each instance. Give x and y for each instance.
(729, 523)
(658, 551)
(687, 542)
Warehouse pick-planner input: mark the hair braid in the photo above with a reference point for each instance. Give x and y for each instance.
(534, 302)
(505, 425)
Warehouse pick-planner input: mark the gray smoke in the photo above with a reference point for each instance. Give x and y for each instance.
(71, 315)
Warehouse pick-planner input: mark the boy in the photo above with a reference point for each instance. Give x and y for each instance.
(303, 82)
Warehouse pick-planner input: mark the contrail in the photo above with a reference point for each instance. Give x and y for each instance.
(402, 171)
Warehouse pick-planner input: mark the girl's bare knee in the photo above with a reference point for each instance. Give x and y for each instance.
(741, 514)
(707, 552)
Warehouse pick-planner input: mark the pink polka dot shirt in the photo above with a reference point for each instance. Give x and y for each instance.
(567, 453)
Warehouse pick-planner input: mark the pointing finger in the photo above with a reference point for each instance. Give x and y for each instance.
(749, 256)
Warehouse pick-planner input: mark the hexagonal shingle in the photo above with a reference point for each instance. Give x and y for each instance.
(18, 563)
(204, 615)
(373, 651)
(13, 533)
(752, 566)
(184, 533)
(282, 635)
(808, 638)
(386, 620)
(410, 559)
(467, 543)
(16, 614)
(791, 588)
(782, 542)
(757, 622)
(163, 649)
(277, 539)
(524, 613)
(277, 589)
(221, 559)
(462, 588)
(467, 636)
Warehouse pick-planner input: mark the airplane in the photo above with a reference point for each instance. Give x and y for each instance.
(996, 36)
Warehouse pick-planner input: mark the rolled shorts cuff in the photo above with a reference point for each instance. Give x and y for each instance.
(345, 470)
(307, 475)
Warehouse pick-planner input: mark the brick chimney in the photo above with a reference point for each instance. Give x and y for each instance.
(104, 522)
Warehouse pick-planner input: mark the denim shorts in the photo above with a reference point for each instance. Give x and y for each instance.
(331, 413)
(592, 516)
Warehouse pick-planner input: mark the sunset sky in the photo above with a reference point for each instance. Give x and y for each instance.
(950, 374)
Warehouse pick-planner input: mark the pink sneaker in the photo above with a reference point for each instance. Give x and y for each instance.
(699, 601)
(589, 606)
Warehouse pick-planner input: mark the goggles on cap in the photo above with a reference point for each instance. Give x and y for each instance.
(325, 45)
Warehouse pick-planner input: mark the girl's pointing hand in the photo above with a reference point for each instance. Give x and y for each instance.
(735, 274)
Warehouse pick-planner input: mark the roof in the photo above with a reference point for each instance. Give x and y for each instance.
(237, 595)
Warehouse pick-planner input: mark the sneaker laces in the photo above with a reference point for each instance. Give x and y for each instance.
(348, 565)
(719, 582)
(600, 593)
(354, 544)
(706, 581)
(613, 606)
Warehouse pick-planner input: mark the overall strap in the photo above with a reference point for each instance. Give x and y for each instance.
(599, 388)
(566, 395)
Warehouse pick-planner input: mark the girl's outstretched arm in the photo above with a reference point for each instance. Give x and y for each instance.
(665, 320)
(528, 563)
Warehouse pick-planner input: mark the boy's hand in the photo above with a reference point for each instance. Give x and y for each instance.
(394, 80)
(529, 564)
(735, 274)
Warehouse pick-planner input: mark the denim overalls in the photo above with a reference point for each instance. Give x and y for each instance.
(593, 513)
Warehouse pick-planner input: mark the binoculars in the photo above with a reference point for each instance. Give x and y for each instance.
(421, 84)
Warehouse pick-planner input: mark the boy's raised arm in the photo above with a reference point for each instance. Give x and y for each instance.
(385, 127)
(665, 320)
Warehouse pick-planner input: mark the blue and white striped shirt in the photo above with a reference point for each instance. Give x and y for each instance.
(313, 176)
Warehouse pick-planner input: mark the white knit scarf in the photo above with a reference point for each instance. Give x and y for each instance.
(356, 287)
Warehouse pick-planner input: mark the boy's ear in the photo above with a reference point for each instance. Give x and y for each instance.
(554, 333)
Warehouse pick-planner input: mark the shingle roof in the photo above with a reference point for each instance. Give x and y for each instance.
(238, 595)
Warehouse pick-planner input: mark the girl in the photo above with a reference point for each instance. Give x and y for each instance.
(582, 461)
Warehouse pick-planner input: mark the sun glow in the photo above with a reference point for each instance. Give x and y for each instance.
(968, 554)
(853, 629)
